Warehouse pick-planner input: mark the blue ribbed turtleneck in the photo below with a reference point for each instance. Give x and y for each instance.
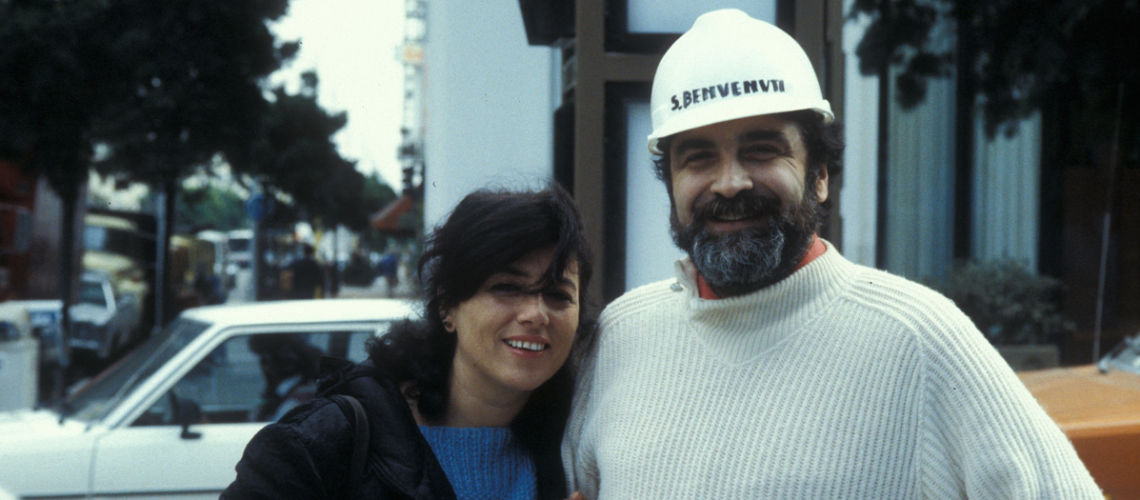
(483, 462)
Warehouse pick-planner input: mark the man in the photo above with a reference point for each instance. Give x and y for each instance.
(307, 275)
(772, 367)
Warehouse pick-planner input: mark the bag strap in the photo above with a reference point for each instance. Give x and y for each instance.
(359, 442)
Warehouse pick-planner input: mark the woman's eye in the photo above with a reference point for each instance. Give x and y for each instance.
(559, 297)
(506, 289)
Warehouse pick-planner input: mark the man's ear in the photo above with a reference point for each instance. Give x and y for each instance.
(821, 185)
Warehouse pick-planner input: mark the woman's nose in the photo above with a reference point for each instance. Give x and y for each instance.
(533, 310)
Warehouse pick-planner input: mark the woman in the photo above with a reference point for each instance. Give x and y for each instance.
(471, 400)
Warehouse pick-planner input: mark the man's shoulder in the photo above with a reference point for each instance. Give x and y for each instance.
(889, 285)
(908, 301)
(644, 297)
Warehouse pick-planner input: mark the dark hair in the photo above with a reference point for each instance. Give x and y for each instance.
(286, 353)
(823, 142)
(486, 232)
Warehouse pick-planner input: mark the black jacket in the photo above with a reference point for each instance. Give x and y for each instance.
(307, 453)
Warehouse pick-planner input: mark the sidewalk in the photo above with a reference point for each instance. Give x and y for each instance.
(378, 289)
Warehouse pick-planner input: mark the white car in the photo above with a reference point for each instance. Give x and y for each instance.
(104, 320)
(173, 416)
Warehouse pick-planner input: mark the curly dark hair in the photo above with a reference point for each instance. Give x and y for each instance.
(486, 232)
(823, 142)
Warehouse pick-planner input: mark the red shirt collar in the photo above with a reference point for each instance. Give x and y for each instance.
(815, 250)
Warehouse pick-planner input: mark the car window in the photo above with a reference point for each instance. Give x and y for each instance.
(102, 393)
(257, 377)
(91, 292)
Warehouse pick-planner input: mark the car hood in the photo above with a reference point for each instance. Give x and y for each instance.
(1082, 398)
(36, 425)
(41, 456)
(91, 313)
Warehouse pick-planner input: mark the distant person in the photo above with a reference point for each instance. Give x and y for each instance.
(468, 402)
(308, 277)
(389, 269)
(289, 365)
(770, 366)
(208, 287)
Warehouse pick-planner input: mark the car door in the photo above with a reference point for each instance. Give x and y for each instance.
(154, 456)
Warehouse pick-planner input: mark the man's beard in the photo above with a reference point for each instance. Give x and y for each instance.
(738, 262)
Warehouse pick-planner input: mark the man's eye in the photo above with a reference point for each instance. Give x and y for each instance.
(696, 157)
(762, 151)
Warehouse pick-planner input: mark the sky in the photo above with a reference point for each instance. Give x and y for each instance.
(352, 45)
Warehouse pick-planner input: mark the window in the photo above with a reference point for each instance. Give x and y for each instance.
(257, 377)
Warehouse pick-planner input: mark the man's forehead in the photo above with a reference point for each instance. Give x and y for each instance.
(747, 128)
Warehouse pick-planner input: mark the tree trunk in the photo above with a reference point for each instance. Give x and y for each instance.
(163, 299)
(69, 198)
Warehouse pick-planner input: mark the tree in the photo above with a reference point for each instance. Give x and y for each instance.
(208, 207)
(295, 154)
(165, 85)
(56, 76)
(1074, 60)
(1019, 54)
(196, 91)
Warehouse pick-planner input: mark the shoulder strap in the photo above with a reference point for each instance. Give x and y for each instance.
(359, 441)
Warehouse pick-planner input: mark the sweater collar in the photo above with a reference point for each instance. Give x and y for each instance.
(739, 328)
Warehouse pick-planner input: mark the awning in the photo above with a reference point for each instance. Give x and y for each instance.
(387, 220)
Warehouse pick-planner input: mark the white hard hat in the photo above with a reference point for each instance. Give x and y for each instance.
(729, 66)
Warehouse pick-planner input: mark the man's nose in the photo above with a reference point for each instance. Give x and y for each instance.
(533, 310)
(731, 178)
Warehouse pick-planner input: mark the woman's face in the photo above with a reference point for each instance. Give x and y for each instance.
(511, 335)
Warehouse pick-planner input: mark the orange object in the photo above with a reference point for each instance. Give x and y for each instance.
(1100, 413)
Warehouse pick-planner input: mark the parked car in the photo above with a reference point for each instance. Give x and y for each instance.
(1098, 408)
(44, 316)
(103, 319)
(173, 416)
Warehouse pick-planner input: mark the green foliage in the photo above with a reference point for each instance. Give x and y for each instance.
(295, 154)
(1019, 53)
(195, 88)
(1008, 302)
(208, 207)
(56, 75)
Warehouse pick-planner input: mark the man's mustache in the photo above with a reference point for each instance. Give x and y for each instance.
(746, 204)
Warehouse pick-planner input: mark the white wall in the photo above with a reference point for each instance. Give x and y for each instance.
(860, 158)
(1007, 192)
(489, 103)
(650, 16)
(649, 250)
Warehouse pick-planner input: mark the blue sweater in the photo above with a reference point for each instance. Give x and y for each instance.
(483, 462)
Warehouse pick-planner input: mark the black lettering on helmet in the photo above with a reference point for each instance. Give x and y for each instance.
(676, 103)
(750, 86)
(708, 92)
(735, 88)
(723, 89)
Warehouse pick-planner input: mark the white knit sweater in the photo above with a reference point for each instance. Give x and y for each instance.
(840, 381)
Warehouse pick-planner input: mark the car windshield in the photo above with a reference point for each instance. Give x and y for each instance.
(99, 396)
(91, 292)
(239, 245)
